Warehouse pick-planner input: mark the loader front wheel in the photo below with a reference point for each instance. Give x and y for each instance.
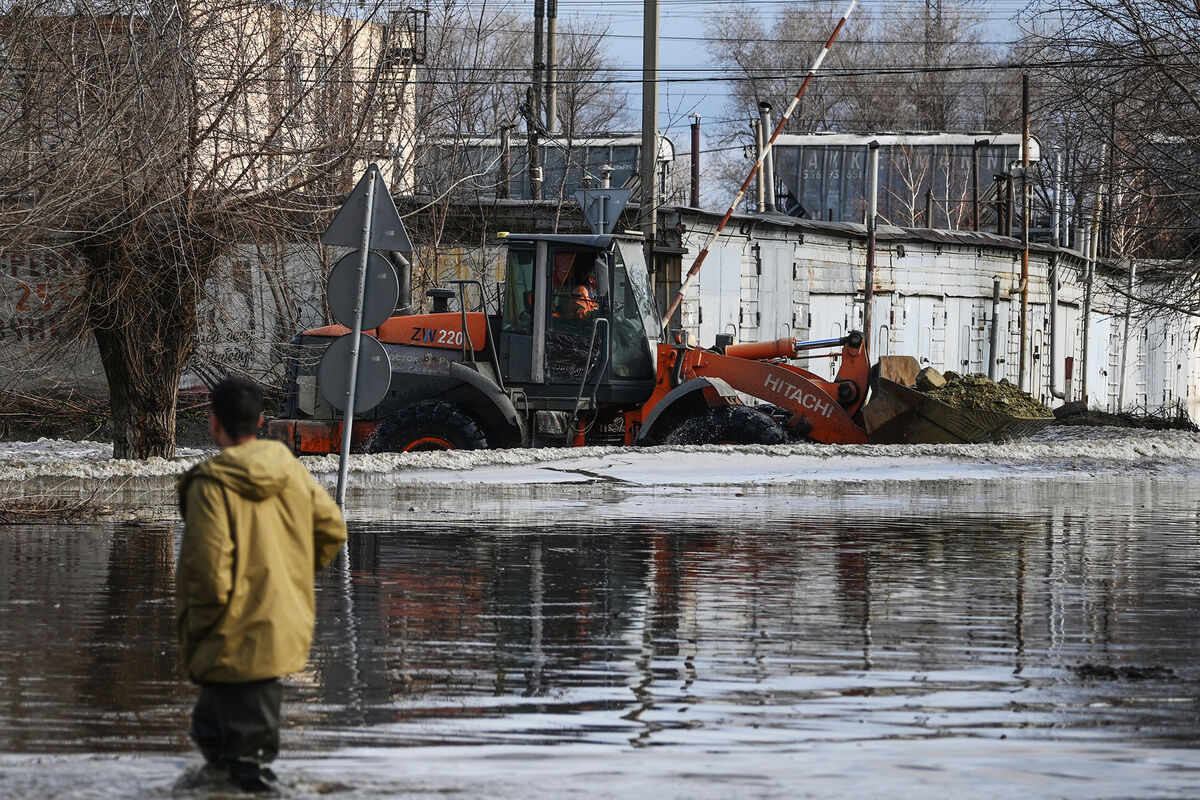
(728, 425)
(427, 425)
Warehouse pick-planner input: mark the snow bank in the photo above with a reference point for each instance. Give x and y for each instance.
(1060, 451)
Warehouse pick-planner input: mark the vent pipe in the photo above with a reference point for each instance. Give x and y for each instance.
(768, 159)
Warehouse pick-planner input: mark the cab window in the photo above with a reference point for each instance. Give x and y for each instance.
(518, 292)
(578, 296)
(575, 291)
(631, 347)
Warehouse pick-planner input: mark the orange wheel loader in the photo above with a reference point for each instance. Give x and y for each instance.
(572, 356)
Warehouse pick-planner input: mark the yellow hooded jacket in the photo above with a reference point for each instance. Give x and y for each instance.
(257, 528)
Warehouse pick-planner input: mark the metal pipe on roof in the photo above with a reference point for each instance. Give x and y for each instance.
(504, 189)
(760, 188)
(539, 16)
(872, 213)
(978, 143)
(1125, 335)
(535, 103)
(1054, 348)
(768, 169)
(993, 344)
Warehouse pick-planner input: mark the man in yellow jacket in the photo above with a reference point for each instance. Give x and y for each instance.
(257, 527)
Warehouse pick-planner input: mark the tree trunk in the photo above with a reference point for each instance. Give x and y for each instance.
(142, 314)
(142, 392)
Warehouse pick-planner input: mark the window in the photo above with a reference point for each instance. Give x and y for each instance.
(578, 299)
(518, 292)
(631, 303)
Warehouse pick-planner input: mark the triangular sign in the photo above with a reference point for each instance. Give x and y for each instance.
(387, 229)
(602, 207)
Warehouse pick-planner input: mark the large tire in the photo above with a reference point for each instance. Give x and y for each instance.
(427, 425)
(728, 425)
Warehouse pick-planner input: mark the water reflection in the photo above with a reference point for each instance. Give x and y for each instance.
(1072, 616)
(87, 660)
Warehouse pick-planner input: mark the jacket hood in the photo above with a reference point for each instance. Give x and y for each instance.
(256, 470)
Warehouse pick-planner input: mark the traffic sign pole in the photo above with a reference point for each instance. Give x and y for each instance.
(356, 332)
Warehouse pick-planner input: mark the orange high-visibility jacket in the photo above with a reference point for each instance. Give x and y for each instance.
(585, 303)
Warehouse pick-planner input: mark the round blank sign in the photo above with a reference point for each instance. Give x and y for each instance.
(374, 373)
(380, 292)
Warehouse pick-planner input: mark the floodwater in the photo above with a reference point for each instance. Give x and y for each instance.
(1010, 637)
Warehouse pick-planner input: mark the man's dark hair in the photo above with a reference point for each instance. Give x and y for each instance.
(237, 404)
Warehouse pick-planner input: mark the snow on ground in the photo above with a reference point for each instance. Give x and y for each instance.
(1054, 452)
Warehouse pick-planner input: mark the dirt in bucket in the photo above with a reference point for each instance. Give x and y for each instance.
(980, 393)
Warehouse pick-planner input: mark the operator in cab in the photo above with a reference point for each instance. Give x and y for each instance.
(584, 303)
(580, 302)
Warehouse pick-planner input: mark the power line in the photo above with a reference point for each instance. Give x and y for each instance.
(1124, 62)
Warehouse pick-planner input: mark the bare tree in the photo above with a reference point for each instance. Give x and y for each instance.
(589, 101)
(1124, 88)
(773, 55)
(147, 141)
(913, 173)
(910, 66)
(901, 70)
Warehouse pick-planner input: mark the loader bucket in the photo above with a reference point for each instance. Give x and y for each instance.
(899, 414)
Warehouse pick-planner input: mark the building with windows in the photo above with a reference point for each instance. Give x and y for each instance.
(935, 180)
(498, 167)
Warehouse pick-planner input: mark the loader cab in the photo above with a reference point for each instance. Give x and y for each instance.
(577, 319)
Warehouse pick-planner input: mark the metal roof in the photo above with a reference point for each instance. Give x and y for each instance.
(908, 139)
(579, 240)
(883, 233)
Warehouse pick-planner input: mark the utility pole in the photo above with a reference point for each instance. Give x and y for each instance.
(551, 66)
(695, 161)
(928, 32)
(535, 103)
(1110, 195)
(648, 212)
(1055, 217)
(1022, 372)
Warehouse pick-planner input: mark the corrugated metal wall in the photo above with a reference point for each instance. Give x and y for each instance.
(933, 300)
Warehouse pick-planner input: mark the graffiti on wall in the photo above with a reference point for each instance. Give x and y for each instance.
(34, 295)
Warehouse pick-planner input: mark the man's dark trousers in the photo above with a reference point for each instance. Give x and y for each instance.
(236, 725)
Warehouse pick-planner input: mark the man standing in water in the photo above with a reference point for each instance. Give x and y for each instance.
(256, 529)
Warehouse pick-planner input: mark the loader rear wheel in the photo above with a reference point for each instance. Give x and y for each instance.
(427, 425)
(728, 425)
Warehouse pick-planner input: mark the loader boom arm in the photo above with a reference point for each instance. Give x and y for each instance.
(823, 410)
